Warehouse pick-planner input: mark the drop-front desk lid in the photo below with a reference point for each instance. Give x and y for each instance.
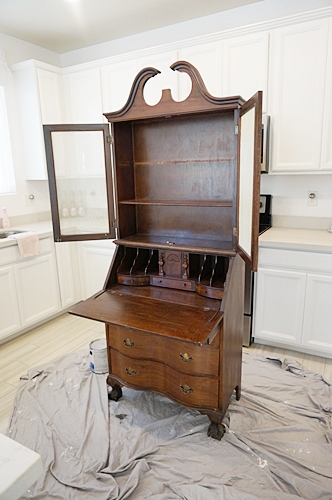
(175, 313)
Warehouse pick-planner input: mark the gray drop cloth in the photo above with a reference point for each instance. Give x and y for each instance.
(277, 445)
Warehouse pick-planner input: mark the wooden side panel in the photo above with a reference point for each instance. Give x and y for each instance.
(232, 332)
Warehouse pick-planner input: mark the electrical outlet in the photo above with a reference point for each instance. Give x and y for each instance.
(312, 198)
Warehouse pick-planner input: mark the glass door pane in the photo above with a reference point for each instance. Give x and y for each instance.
(80, 181)
(249, 179)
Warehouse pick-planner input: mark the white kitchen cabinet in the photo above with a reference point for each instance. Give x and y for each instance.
(83, 96)
(29, 288)
(95, 258)
(245, 66)
(68, 273)
(293, 297)
(326, 160)
(297, 85)
(207, 59)
(40, 100)
(9, 312)
(83, 99)
(37, 289)
(280, 305)
(317, 329)
(116, 81)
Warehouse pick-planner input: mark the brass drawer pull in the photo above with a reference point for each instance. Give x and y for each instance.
(186, 389)
(185, 357)
(128, 343)
(131, 372)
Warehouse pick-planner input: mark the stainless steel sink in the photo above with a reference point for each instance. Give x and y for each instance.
(6, 234)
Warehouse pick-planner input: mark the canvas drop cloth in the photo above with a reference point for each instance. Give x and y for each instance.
(277, 445)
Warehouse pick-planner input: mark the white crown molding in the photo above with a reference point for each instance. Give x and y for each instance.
(33, 63)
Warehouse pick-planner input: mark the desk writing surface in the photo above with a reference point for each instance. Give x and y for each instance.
(193, 321)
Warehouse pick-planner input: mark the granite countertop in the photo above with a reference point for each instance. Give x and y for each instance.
(309, 240)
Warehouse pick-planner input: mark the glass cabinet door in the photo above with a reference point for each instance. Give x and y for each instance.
(80, 181)
(250, 129)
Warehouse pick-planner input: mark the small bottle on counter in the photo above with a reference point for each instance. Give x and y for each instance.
(73, 209)
(5, 219)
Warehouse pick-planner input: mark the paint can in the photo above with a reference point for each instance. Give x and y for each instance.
(98, 356)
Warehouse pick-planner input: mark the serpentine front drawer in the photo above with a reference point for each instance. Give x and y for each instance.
(152, 375)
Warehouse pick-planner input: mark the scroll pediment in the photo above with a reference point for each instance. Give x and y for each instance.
(198, 100)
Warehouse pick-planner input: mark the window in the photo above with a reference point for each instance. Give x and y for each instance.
(7, 180)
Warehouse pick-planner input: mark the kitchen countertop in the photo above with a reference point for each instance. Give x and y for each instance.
(19, 468)
(43, 229)
(308, 240)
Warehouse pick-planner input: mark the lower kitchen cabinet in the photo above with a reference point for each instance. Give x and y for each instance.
(293, 297)
(29, 288)
(68, 273)
(317, 327)
(37, 289)
(9, 311)
(95, 258)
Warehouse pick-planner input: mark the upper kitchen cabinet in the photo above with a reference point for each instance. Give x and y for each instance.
(206, 57)
(116, 81)
(297, 86)
(40, 101)
(245, 65)
(326, 161)
(83, 97)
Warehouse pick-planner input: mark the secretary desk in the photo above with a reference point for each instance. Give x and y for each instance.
(182, 185)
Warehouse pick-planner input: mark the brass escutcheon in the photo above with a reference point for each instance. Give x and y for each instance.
(131, 372)
(185, 357)
(128, 342)
(186, 389)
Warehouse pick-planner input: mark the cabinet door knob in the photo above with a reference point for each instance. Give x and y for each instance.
(186, 389)
(128, 343)
(131, 372)
(185, 357)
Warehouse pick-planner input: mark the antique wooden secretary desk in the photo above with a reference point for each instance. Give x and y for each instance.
(184, 177)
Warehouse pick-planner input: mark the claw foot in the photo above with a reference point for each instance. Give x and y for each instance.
(216, 431)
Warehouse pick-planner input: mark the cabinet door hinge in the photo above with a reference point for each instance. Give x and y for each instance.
(115, 224)
(110, 139)
(236, 129)
(234, 231)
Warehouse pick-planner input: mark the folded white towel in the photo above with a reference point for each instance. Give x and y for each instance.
(28, 243)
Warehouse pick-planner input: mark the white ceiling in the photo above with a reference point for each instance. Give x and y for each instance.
(66, 25)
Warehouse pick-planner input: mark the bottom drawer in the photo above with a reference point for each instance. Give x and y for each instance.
(197, 391)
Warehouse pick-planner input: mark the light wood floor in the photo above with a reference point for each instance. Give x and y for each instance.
(68, 333)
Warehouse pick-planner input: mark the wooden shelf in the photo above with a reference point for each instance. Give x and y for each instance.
(190, 245)
(179, 203)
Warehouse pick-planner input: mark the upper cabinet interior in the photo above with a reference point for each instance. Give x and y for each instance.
(177, 169)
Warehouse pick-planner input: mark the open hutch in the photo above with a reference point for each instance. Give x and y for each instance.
(182, 184)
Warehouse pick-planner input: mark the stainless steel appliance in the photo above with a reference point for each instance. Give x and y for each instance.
(265, 222)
